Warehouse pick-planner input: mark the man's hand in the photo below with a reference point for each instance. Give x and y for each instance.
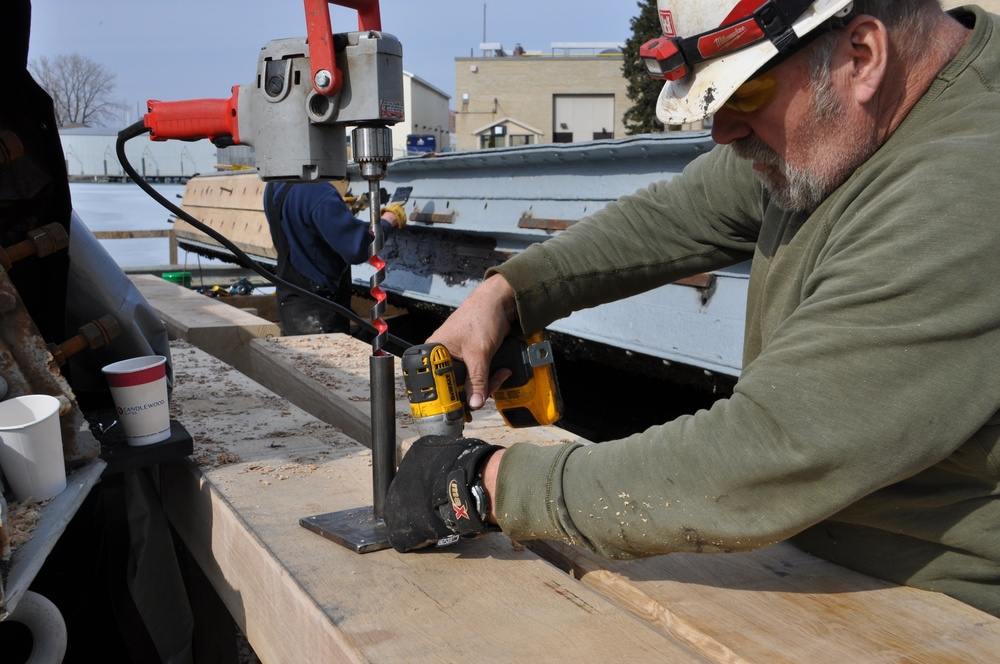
(432, 498)
(394, 214)
(474, 332)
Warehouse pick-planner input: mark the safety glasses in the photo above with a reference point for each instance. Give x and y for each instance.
(752, 95)
(671, 58)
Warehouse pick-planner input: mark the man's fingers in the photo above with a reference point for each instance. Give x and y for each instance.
(479, 390)
(476, 387)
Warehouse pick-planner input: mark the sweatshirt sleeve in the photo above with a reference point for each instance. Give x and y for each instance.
(877, 374)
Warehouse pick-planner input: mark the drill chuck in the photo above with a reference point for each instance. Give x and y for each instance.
(435, 387)
(372, 147)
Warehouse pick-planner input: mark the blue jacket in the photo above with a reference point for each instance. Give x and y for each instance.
(322, 235)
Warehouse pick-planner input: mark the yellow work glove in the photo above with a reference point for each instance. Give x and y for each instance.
(396, 209)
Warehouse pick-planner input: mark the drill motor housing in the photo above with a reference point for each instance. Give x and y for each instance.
(435, 386)
(298, 133)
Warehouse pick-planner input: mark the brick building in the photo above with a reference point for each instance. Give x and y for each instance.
(575, 92)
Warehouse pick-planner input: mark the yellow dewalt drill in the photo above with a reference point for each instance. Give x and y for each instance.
(435, 386)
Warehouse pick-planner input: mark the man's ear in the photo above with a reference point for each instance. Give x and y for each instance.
(867, 51)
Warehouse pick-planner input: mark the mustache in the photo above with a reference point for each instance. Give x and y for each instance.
(754, 149)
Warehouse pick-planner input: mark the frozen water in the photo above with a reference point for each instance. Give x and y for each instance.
(123, 206)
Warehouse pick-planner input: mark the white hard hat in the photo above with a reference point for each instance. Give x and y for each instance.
(710, 48)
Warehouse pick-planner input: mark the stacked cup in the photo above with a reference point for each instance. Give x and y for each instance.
(31, 453)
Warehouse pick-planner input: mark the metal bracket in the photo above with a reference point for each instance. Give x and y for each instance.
(359, 529)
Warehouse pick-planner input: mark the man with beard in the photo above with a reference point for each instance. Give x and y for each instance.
(856, 141)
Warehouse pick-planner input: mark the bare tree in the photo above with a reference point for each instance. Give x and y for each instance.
(80, 89)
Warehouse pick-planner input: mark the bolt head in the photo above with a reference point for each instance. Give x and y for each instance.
(323, 79)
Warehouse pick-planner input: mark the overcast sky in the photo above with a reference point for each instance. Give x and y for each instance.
(190, 49)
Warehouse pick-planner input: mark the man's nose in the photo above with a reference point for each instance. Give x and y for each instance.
(729, 125)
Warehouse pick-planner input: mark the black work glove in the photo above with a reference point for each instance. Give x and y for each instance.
(430, 501)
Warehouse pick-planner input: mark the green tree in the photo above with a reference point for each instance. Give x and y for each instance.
(643, 91)
(80, 89)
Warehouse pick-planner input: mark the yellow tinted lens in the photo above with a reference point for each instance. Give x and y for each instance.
(752, 95)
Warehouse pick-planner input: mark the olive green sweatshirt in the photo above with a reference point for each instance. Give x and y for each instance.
(865, 423)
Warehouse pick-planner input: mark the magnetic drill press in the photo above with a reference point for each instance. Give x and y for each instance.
(306, 93)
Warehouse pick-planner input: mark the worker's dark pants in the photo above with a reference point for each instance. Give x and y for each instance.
(298, 314)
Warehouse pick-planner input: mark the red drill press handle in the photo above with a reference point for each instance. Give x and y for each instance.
(194, 119)
(217, 118)
(321, 54)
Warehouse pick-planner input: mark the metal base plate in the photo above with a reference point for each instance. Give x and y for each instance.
(355, 529)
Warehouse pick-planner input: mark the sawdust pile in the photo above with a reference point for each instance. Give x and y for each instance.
(22, 520)
(220, 439)
(17, 529)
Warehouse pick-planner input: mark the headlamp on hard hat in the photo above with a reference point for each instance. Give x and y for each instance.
(670, 58)
(663, 59)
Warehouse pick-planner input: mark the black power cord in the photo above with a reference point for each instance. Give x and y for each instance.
(138, 129)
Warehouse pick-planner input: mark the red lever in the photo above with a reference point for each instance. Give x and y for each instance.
(194, 119)
(369, 17)
(320, 35)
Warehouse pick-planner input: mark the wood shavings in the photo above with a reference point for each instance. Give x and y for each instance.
(22, 519)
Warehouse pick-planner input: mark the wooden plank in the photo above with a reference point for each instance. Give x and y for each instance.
(261, 464)
(782, 605)
(130, 235)
(233, 205)
(262, 306)
(209, 323)
(774, 605)
(249, 229)
(238, 190)
(327, 376)
(289, 366)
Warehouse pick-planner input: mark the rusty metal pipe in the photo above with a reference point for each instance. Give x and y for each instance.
(95, 334)
(39, 242)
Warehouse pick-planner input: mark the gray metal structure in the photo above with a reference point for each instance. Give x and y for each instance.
(90, 155)
(471, 210)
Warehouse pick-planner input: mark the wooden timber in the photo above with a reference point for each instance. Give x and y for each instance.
(262, 463)
(218, 328)
(233, 205)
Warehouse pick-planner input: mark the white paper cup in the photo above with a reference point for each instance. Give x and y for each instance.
(31, 451)
(139, 389)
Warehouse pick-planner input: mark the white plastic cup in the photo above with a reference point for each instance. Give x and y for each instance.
(139, 389)
(31, 452)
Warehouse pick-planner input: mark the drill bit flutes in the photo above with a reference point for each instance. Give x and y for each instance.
(376, 261)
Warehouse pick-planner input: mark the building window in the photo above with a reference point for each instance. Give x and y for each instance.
(490, 141)
(497, 137)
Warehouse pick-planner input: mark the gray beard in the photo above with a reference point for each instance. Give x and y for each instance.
(794, 189)
(791, 188)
